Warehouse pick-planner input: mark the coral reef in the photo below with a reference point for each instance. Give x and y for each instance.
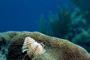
(61, 24)
(9, 35)
(42, 25)
(83, 40)
(17, 47)
(56, 48)
(5, 39)
(44, 56)
(70, 25)
(2, 41)
(3, 52)
(64, 25)
(83, 4)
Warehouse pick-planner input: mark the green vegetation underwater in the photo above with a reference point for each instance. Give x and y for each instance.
(44, 29)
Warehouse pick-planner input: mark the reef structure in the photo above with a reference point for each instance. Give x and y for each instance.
(82, 4)
(56, 48)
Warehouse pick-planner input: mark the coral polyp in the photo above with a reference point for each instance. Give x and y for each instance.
(32, 47)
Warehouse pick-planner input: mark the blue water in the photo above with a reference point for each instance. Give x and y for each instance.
(20, 15)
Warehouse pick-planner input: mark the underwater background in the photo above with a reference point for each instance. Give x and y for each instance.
(20, 15)
(64, 19)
